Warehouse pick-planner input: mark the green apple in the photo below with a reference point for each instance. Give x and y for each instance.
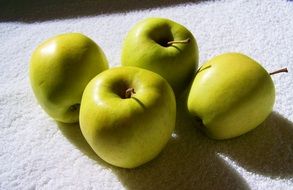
(60, 68)
(232, 94)
(127, 115)
(165, 47)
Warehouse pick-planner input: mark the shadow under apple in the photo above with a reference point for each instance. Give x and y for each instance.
(187, 162)
(267, 150)
(191, 160)
(73, 133)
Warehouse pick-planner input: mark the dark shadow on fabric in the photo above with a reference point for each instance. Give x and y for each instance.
(191, 160)
(73, 133)
(187, 162)
(267, 150)
(42, 10)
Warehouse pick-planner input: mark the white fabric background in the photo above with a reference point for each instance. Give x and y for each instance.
(38, 153)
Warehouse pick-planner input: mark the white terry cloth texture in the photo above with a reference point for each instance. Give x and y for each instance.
(38, 153)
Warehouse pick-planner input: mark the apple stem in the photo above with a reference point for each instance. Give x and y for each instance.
(129, 92)
(283, 70)
(179, 41)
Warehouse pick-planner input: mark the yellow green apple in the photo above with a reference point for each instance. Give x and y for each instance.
(165, 47)
(232, 94)
(127, 115)
(60, 68)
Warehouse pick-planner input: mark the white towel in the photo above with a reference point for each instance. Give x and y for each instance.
(38, 153)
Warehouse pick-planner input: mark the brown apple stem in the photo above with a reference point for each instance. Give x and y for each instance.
(129, 92)
(283, 70)
(179, 41)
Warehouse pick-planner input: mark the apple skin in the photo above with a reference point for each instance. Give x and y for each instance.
(60, 68)
(127, 132)
(232, 94)
(146, 46)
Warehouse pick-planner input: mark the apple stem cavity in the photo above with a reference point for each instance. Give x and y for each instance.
(129, 92)
(179, 41)
(74, 107)
(283, 70)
